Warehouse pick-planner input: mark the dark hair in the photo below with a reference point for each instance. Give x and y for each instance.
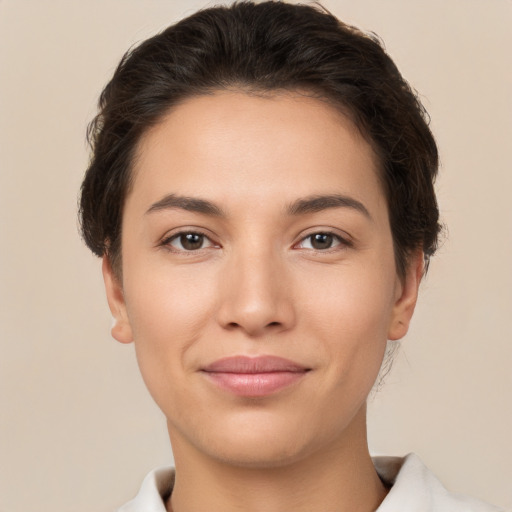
(264, 47)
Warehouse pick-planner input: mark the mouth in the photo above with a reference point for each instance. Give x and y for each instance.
(254, 376)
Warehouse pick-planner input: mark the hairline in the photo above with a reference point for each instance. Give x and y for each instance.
(317, 93)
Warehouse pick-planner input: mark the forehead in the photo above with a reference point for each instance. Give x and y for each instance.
(231, 145)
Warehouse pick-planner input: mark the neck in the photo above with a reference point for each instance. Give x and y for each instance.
(340, 477)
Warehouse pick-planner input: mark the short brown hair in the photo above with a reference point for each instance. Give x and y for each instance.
(265, 47)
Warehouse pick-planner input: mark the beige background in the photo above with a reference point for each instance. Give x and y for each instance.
(77, 429)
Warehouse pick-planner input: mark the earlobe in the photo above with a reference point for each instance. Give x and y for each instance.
(121, 328)
(406, 299)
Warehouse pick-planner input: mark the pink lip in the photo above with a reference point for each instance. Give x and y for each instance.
(254, 376)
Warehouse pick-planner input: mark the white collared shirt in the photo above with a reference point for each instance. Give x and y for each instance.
(414, 489)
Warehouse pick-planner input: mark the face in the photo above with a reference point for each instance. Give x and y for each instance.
(259, 281)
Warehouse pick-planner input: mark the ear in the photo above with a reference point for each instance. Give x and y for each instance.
(406, 296)
(121, 328)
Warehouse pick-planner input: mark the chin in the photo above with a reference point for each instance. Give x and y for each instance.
(259, 440)
(267, 454)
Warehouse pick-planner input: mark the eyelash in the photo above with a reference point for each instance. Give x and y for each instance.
(340, 242)
(167, 242)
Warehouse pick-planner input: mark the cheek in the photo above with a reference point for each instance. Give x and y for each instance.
(349, 312)
(162, 309)
(168, 312)
(166, 299)
(355, 298)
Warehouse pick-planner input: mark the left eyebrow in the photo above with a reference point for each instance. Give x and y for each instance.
(319, 203)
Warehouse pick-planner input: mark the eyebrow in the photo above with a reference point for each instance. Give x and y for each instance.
(311, 204)
(190, 204)
(319, 203)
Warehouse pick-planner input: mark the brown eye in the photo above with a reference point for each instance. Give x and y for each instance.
(189, 241)
(322, 241)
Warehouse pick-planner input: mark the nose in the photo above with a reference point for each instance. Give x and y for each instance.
(255, 295)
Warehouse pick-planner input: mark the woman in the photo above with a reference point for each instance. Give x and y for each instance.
(261, 193)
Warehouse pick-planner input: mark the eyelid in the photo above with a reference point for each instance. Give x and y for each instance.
(165, 241)
(345, 241)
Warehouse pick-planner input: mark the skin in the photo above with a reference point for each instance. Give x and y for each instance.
(258, 285)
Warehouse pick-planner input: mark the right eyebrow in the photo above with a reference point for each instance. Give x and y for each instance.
(190, 204)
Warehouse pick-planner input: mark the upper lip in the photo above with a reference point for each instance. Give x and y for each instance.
(259, 364)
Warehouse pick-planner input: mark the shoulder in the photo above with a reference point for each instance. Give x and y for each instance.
(414, 487)
(155, 489)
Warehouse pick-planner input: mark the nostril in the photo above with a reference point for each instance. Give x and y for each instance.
(235, 325)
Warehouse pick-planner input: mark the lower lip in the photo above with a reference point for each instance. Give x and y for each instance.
(255, 384)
